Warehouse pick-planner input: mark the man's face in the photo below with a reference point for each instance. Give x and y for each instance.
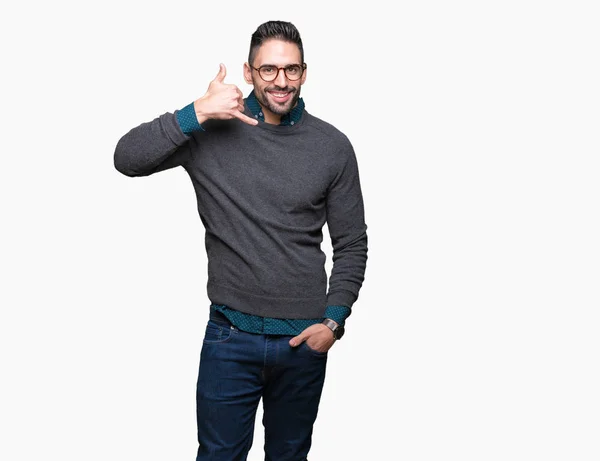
(280, 95)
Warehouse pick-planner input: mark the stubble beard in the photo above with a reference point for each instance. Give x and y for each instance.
(278, 109)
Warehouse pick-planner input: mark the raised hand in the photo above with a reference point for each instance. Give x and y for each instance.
(222, 101)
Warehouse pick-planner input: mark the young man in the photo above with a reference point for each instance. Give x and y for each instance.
(267, 175)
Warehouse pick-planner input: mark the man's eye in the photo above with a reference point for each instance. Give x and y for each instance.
(268, 70)
(293, 70)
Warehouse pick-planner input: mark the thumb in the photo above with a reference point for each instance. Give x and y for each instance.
(221, 75)
(297, 340)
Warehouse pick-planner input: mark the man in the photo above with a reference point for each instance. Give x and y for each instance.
(267, 176)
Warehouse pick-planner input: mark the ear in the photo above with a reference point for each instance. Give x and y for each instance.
(248, 74)
(303, 79)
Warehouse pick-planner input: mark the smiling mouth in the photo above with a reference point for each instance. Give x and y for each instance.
(280, 96)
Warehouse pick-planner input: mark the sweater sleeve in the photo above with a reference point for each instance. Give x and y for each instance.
(153, 146)
(348, 232)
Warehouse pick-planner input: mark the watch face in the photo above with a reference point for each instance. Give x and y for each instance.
(339, 332)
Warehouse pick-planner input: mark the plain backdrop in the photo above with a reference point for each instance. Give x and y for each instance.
(476, 128)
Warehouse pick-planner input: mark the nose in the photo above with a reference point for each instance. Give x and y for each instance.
(281, 80)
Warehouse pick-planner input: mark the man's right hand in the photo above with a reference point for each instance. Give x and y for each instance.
(222, 101)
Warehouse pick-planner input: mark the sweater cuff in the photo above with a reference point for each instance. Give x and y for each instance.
(187, 119)
(341, 298)
(337, 313)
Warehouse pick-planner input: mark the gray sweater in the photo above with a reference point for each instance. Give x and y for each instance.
(264, 193)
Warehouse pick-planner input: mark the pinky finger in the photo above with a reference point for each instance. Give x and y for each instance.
(244, 118)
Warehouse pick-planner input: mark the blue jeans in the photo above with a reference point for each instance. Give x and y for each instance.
(237, 369)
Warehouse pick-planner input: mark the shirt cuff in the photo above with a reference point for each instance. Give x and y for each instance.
(337, 313)
(187, 119)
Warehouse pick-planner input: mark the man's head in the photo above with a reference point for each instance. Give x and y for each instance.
(276, 67)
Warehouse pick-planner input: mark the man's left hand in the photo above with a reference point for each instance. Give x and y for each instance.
(318, 337)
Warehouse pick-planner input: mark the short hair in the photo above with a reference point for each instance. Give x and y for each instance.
(279, 30)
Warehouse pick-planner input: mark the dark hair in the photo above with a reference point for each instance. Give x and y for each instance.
(279, 30)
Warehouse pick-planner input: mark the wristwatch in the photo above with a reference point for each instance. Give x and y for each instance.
(337, 329)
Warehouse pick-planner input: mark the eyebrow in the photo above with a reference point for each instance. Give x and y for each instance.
(274, 65)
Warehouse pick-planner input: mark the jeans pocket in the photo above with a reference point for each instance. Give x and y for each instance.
(217, 332)
(313, 351)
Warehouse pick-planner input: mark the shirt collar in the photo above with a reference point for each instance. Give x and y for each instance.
(291, 118)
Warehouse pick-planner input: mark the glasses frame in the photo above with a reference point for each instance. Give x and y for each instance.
(302, 66)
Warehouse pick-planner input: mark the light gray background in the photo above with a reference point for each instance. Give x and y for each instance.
(475, 124)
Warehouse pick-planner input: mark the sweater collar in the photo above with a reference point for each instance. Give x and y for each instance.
(291, 118)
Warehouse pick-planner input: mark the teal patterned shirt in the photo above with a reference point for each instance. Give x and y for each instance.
(272, 326)
(247, 322)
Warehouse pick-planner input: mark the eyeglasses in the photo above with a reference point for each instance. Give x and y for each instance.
(269, 73)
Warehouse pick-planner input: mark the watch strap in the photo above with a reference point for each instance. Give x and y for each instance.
(332, 325)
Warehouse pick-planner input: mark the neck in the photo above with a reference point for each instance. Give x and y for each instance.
(270, 117)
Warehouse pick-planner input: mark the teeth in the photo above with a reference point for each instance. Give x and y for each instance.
(279, 95)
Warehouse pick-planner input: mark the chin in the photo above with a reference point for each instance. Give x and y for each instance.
(283, 109)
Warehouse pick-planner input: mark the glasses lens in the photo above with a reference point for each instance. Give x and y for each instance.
(268, 73)
(293, 72)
